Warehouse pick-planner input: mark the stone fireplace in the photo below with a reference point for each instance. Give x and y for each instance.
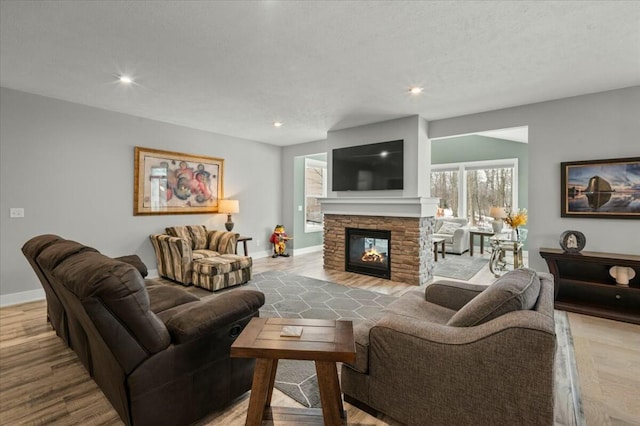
(408, 222)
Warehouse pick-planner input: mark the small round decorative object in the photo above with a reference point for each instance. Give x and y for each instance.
(622, 275)
(572, 241)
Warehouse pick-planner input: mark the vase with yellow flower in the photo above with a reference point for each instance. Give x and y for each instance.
(515, 220)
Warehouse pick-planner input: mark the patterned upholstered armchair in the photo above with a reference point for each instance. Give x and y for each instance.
(206, 259)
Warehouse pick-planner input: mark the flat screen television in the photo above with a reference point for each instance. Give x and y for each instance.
(377, 166)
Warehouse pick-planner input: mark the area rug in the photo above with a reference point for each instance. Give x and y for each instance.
(460, 267)
(294, 296)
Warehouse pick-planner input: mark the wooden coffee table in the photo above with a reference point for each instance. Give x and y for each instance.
(323, 341)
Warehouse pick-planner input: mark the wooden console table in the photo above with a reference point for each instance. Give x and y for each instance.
(583, 284)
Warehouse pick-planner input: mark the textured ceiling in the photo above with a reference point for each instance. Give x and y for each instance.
(236, 67)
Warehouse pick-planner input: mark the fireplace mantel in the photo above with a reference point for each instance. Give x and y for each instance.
(381, 206)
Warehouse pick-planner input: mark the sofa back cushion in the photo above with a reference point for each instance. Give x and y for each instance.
(195, 234)
(110, 299)
(515, 290)
(461, 221)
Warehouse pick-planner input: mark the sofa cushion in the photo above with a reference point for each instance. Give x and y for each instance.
(448, 238)
(515, 290)
(201, 254)
(462, 221)
(449, 228)
(413, 304)
(222, 264)
(163, 297)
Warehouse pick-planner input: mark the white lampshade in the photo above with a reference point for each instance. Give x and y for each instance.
(228, 206)
(497, 213)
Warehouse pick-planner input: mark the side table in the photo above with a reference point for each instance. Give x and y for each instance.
(482, 234)
(244, 240)
(437, 241)
(323, 341)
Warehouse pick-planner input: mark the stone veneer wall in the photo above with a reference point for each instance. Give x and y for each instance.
(411, 248)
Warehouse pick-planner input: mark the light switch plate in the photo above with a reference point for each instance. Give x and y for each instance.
(15, 212)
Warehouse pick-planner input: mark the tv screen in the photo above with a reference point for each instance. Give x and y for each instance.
(377, 166)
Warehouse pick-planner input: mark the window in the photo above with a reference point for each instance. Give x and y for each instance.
(471, 189)
(444, 185)
(315, 187)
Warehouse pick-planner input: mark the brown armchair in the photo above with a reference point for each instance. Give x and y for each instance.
(459, 353)
(192, 255)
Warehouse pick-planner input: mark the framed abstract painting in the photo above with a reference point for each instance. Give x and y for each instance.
(167, 182)
(601, 188)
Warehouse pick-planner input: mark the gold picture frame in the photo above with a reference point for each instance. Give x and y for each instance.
(167, 182)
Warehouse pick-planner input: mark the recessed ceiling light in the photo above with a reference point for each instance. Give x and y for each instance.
(125, 79)
(415, 90)
(277, 124)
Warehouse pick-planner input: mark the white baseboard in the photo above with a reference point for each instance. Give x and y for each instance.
(260, 254)
(305, 250)
(22, 297)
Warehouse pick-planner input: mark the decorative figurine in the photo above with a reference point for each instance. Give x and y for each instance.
(279, 240)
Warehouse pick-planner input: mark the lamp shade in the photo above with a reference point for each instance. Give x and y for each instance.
(228, 206)
(497, 213)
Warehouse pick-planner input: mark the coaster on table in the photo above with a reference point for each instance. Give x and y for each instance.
(291, 331)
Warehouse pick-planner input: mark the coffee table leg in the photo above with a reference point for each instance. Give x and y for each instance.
(443, 252)
(260, 390)
(435, 252)
(274, 369)
(330, 397)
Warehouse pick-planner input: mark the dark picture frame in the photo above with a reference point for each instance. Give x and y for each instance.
(572, 241)
(167, 182)
(601, 188)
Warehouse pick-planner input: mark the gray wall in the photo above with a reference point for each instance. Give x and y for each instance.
(71, 168)
(598, 126)
(412, 129)
(479, 148)
(417, 153)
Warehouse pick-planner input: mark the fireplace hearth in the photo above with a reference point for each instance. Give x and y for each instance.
(368, 251)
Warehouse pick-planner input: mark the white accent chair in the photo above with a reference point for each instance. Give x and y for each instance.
(455, 231)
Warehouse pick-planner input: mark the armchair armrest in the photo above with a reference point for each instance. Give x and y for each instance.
(206, 317)
(452, 294)
(174, 256)
(224, 242)
(429, 332)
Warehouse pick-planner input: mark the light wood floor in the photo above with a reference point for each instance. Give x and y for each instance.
(42, 381)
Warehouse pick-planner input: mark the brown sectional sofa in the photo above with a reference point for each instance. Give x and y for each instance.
(460, 354)
(159, 354)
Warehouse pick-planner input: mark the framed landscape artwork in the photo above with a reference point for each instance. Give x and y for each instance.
(601, 188)
(167, 182)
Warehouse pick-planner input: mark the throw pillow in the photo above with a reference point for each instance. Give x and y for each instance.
(449, 228)
(515, 290)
